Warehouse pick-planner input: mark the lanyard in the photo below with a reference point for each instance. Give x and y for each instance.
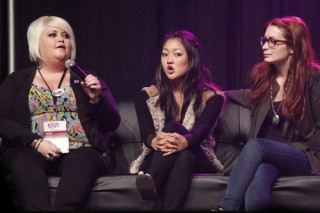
(57, 92)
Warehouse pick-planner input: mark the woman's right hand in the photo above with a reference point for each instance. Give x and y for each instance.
(49, 150)
(164, 142)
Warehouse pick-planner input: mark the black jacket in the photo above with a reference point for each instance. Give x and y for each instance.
(305, 136)
(15, 122)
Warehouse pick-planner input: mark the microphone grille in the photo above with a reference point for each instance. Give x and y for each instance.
(69, 63)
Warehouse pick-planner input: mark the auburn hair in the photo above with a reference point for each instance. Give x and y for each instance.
(297, 34)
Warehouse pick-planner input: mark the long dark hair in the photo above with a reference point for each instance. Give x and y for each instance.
(297, 34)
(197, 79)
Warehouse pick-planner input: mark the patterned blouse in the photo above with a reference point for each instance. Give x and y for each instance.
(42, 109)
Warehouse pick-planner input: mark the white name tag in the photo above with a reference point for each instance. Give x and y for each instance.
(56, 132)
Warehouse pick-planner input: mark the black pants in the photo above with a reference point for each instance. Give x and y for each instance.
(6, 201)
(78, 170)
(173, 173)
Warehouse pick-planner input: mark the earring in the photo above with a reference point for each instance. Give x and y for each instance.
(38, 64)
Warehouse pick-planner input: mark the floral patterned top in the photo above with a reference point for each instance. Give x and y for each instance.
(42, 109)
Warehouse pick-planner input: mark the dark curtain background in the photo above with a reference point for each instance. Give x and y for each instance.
(120, 39)
(3, 40)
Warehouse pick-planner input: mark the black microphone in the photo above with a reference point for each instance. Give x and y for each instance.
(71, 64)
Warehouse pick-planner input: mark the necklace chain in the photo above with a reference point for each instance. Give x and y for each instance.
(275, 119)
(272, 106)
(54, 96)
(60, 83)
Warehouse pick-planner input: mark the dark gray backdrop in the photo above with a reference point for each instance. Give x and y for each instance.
(120, 39)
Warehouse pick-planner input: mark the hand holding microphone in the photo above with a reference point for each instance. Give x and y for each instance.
(90, 84)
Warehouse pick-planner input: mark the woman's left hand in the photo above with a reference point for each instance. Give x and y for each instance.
(92, 87)
(176, 143)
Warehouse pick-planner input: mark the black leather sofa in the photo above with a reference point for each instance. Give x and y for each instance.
(118, 191)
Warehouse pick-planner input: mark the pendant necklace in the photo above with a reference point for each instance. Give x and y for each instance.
(275, 117)
(57, 92)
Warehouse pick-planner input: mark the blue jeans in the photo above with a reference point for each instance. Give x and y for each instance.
(259, 164)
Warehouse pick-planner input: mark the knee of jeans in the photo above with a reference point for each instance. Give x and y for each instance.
(174, 126)
(253, 143)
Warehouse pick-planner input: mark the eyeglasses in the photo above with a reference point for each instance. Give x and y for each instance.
(271, 42)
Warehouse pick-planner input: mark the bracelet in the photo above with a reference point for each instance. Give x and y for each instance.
(34, 142)
(40, 140)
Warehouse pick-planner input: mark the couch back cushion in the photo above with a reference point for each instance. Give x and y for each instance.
(126, 141)
(231, 133)
(234, 124)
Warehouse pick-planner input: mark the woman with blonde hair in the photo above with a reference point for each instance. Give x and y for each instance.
(53, 123)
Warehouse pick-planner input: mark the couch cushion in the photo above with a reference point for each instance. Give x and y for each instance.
(120, 193)
(234, 124)
(109, 193)
(231, 133)
(297, 193)
(126, 141)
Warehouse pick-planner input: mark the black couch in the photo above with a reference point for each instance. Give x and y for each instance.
(118, 191)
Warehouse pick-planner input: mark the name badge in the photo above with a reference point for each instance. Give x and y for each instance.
(56, 132)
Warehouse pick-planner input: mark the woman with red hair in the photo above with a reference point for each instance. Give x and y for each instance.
(284, 137)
